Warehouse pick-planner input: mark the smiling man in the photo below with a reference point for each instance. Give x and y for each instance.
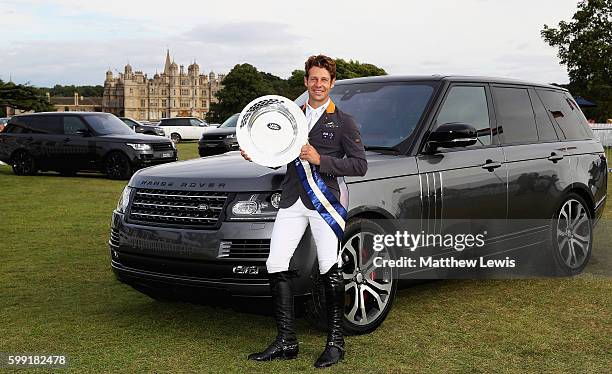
(311, 197)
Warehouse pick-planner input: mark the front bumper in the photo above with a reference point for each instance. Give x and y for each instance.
(216, 147)
(172, 257)
(143, 159)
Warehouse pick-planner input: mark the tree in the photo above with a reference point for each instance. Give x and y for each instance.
(242, 85)
(355, 69)
(23, 97)
(585, 48)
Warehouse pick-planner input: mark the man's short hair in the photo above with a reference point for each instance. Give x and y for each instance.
(321, 61)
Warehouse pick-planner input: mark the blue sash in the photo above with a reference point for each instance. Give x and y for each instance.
(321, 197)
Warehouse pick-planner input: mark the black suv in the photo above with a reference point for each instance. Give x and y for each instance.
(68, 142)
(221, 139)
(438, 147)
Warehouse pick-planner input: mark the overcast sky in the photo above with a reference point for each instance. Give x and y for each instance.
(75, 41)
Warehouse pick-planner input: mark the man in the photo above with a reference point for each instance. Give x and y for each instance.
(332, 136)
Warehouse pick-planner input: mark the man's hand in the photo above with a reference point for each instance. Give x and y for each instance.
(245, 155)
(310, 154)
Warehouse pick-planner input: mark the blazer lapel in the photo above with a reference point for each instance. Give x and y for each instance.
(331, 108)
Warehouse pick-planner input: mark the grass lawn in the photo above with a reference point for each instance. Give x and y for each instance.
(58, 295)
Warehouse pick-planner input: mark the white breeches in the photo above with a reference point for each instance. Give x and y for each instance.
(289, 227)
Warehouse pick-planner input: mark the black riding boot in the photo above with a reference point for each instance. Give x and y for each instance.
(334, 300)
(285, 346)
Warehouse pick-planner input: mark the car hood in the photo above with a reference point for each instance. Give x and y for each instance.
(230, 172)
(136, 138)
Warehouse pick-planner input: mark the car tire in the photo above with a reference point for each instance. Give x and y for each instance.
(23, 163)
(572, 236)
(175, 137)
(118, 166)
(375, 292)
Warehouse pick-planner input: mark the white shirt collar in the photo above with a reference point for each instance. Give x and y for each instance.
(318, 110)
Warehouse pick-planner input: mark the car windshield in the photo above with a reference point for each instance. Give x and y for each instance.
(106, 124)
(231, 122)
(386, 113)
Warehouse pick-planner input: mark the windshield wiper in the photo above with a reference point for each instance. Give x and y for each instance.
(382, 148)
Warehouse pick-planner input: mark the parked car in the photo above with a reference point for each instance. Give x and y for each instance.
(438, 148)
(68, 142)
(221, 139)
(183, 128)
(143, 128)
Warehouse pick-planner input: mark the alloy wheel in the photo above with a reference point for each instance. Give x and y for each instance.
(23, 164)
(574, 234)
(368, 289)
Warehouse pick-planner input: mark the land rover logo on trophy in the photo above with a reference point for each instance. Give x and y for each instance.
(203, 207)
(273, 126)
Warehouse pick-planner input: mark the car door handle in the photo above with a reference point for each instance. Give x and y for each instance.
(490, 165)
(554, 157)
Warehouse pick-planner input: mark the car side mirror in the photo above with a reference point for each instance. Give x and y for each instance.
(83, 132)
(451, 135)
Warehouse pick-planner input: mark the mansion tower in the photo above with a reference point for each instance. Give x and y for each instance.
(174, 93)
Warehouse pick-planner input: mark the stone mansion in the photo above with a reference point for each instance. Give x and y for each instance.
(174, 93)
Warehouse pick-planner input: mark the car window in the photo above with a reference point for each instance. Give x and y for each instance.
(564, 113)
(195, 122)
(106, 124)
(129, 122)
(41, 124)
(168, 122)
(231, 121)
(72, 125)
(385, 113)
(546, 130)
(467, 104)
(515, 117)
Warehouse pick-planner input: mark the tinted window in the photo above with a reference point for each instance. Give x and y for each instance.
(515, 118)
(129, 122)
(39, 124)
(195, 122)
(467, 104)
(105, 124)
(385, 113)
(72, 125)
(563, 112)
(231, 122)
(546, 131)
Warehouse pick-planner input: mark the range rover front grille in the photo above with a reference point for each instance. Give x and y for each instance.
(245, 248)
(157, 147)
(185, 208)
(114, 238)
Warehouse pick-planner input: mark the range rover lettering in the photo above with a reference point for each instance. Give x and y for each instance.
(438, 148)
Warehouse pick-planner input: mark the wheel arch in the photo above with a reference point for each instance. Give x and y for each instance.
(582, 191)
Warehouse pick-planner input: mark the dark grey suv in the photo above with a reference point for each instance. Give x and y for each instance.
(439, 148)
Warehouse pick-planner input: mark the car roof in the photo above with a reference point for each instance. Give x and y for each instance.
(58, 113)
(450, 78)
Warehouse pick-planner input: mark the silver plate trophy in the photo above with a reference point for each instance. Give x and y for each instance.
(272, 130)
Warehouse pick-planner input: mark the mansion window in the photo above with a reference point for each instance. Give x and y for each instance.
(185, 103)
(142, 92)
(143, 102)
(164, 103)
(184, 91)
(164, 92)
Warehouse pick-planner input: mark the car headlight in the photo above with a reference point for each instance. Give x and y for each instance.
(140, 147)
(160, 132)
(257, 206)
(124, 199)
(231, 136)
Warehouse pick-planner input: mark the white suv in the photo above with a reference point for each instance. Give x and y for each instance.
(183, 128)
